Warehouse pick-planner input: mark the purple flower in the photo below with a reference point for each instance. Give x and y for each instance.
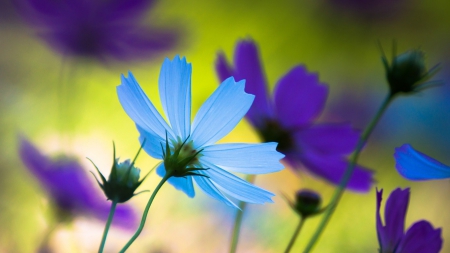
(288, 118)
(421, 237)
(102, 30)
(415, 165)
(70, 188)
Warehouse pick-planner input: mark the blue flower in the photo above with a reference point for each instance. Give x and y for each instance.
(420, 237)
(207, 163)
(102, 30)
(69, 187)
(415, 165)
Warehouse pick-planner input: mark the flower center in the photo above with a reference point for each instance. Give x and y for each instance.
(273, 131)
(181, 159)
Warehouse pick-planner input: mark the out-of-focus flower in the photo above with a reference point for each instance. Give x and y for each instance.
(123, 180)
(307, 203)
(415, 165)
(407, 72)
(102, 30)
(419, 238)
(70, 188)
(369, 10)
(189, 151)
(288, 118)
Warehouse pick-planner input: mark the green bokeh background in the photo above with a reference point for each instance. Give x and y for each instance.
(338, 43)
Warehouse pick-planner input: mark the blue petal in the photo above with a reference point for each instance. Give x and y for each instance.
(221, 112)
(183, 184)
(208, 187)
(414, 165)
(152, 143)
(244, 158)
(175, 94)
(140, 109)
(236, 187)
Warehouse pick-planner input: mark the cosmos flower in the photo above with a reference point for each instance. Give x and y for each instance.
(415, 165)
(189, 150)
(102, 30)
(70, 188)
(420, 237)
(288, 118)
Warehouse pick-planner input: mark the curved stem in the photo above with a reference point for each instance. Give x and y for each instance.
(238, 220)
(348, 173)
(108, 224)
(144, 216)
(295, 235)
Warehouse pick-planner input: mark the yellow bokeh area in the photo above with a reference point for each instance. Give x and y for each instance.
(333, 38)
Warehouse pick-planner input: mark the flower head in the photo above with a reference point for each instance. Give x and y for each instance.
(102, 30)
(415, 165)
(288, 118)
(407, 72)
(123, 180)
(189, 150)
(420, 237)
(307, 203)
(69, 186)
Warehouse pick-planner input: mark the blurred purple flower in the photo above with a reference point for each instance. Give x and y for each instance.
(103, 30)
(414, 165)
(70, 188)
(421, 237)
(288, 118)
(370, 10)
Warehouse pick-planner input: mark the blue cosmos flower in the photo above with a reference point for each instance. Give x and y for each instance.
(102, 30)
(421, 237)
(415, 165)
(208, 163)
(288, 118)
(70, 188)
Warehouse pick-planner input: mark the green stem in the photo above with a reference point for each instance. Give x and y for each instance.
(348, 173)
(108, 224)
(144, 216)
(238, 220)
(295, 235)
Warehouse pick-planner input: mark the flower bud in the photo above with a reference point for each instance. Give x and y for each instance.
(307, 203)
(122, 182)
(407, 72)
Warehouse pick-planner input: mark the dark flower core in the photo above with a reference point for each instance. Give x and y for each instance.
(273, 131)
(182, 159)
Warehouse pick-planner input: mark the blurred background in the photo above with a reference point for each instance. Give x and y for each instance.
(336, 38)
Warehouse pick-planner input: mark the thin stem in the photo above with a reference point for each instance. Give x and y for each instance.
(144, 216)
(108, 224)
(295, 235)
(348, 173)
(238, 220)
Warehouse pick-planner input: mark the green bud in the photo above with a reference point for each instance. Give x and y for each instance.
(407, 72)
(307, 203)
(123, 180)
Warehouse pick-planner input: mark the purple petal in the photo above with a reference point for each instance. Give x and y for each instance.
(421, 238)
(380, 230)
(394, 214)
(331, 168)
(328, 139)
(299, 97)
(415, 165)
(103, 30)
(70, 187)
(223, 68)
(248, 67)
